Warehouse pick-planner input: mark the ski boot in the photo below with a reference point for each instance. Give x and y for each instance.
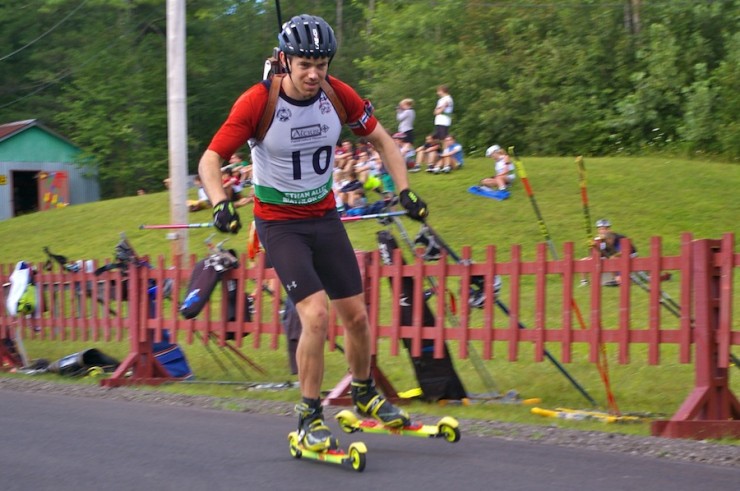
(446, 427)
(370, 404)
(314, 440)
(389, 419)
(313, 433)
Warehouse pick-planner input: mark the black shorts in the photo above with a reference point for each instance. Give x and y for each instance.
(441, 131)
(408, 136)
(311, 255)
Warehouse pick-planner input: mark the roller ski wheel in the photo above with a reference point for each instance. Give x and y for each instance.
(354, 457)
(446, 428)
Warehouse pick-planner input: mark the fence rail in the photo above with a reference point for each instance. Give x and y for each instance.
(540, 294)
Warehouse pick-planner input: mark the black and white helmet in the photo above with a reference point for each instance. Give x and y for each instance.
(307, 36)
(603, 223)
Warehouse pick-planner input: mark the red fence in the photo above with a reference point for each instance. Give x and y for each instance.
(85, 307)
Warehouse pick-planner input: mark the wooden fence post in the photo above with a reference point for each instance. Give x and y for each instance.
(711, 410)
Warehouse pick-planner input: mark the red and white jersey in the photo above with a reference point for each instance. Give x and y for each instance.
(293, 164)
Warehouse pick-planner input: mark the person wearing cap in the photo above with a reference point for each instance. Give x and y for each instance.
(609, 245)
(295, 211)
(504, 169)
(608, 242)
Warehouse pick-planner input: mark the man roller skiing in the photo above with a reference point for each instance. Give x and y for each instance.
(295, 212)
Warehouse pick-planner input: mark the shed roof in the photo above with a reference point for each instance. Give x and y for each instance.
(9, 130)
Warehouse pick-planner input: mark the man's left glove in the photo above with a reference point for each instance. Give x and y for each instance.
(225, 217)
(414, 205)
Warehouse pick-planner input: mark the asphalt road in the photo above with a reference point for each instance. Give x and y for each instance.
(53, 442)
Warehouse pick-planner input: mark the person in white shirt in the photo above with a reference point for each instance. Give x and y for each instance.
(443, 113)
(504, 169)
(405, 115)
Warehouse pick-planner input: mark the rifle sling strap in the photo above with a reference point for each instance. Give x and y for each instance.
(269, 112)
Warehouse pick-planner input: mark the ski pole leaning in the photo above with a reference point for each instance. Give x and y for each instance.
(602, 361)
(639, 278)
(475, 359)
(210, 224)
(373, 215)
(456, 257)
(176, 226)
(584, 198)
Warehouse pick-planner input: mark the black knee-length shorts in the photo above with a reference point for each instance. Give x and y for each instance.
(310, 255)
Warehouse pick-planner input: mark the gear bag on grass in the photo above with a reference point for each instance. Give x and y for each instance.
(436, 376)
(172, 358)
(21, 299)
(80, 363)
(206, 275)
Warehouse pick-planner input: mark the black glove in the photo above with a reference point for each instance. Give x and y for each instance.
(225, 217)
(414, 205)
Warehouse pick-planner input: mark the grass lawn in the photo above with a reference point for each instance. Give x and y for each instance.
(643, 197)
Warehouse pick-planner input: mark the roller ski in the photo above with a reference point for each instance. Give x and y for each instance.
(447, 427)
(313, 440)
(380, 416)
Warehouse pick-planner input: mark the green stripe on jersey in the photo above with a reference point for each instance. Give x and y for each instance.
(267, 194)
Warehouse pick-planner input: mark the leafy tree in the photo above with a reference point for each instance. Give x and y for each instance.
(548, 77)
(727, 107)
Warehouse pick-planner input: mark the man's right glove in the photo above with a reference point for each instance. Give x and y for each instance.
(225, 217)
(414, 205)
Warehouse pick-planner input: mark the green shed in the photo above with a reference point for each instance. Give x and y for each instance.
(38, 170)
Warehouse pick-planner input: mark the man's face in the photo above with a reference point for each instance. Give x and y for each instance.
(602, 231)
(306, 75)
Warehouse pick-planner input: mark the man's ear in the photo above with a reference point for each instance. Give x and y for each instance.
(283, 60)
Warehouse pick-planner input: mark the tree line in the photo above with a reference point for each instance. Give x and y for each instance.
(552, 77)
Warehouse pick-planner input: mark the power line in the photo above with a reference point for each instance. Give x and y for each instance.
(576, 4)
(47, 32)
(64, 74)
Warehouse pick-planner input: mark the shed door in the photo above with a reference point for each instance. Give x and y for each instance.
(25, 192)
(53, 189)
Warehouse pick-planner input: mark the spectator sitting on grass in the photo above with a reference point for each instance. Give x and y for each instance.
(504, 169)
(451, 157)
(202, 202)
(428, 153)
(408, 152)
(344, 155)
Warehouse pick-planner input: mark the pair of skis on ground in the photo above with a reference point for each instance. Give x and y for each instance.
(446, 428)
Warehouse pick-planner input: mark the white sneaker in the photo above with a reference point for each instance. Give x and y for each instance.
(430, 169)
(446, 169)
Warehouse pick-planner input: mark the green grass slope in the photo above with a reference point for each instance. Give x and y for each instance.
(643, 197)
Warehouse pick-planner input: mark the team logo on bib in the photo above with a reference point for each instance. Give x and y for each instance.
(324, 104)
(307, 132)
(283, 114)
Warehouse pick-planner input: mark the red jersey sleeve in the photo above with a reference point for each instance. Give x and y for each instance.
(242, 121)
(360, 117)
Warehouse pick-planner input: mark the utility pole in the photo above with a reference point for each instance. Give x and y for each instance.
(632, 16)
(177, 127)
